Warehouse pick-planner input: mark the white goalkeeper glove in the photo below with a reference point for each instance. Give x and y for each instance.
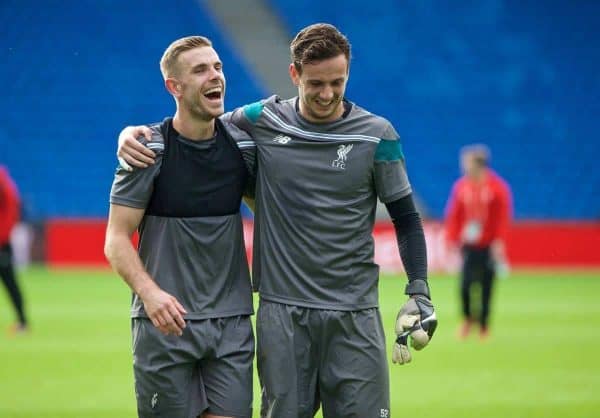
(416, 320)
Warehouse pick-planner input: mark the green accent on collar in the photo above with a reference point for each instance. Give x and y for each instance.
(253, 111)
(389, 150)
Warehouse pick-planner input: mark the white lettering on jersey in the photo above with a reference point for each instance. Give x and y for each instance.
(342, 153)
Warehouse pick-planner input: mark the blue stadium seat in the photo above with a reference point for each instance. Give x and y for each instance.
(445, 73)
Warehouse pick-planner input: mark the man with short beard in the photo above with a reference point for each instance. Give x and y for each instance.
(322, 164)
(193, 344)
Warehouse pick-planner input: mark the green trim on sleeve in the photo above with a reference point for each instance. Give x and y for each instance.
(253, 111)
(389, 150)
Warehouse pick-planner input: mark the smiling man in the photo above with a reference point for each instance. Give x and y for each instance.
(322, 164)
(193, 343)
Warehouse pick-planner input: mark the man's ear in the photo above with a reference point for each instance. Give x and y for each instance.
(173, 86)
(294, 75)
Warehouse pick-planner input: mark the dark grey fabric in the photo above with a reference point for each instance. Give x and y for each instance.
(411, 243)
(316, 195)
(478, 268)
(208, 368)
(306, 356)
(200, 260)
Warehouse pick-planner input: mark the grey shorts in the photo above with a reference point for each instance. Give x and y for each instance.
(208, 368)
(311, 357)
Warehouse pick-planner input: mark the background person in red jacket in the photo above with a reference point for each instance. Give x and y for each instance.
(9, 216)
(477, 217)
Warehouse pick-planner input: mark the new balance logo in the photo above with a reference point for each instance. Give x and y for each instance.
(282, 139)
(384, 413)
(154, 400)
(342, 153)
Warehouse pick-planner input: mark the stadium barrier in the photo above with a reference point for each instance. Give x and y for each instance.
(80, 242)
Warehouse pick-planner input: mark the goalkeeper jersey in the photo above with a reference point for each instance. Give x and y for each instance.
(191, 235)
(316, 194)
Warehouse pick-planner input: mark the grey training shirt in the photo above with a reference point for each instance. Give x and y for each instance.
(191, 235)
(316, 194)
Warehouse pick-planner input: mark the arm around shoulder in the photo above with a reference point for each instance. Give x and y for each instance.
(131, 151)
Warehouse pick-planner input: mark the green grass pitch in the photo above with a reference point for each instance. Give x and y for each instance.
(542, 361)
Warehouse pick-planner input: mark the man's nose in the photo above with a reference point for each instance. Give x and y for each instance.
(214, 73)
(327, 93)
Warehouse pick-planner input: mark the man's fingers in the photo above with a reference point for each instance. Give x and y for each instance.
(400, 354)
(157, 324)
(169, 324)
(161, 320)
(172, 318)
(136, 158)
(154, 321)
(405, 322)
(135, 145)
(141, 152)
(134, 148)
(178, 319)
(166, 313)
(135, 131)
(147, 132)
(180, 307)
(169, 313)
(124, 164)
(175, 329)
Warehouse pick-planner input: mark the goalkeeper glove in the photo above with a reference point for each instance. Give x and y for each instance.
(417, 320)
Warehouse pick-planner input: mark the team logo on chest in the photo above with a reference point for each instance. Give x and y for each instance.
(342, 156)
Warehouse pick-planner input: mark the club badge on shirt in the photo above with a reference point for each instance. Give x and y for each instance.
(342, 153)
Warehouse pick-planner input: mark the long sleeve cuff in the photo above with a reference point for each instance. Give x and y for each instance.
(417, 287)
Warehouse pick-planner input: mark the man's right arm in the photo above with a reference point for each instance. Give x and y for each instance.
(9, 205)
(503, 215)
(133, 153)
(453, 218)
(165, 312)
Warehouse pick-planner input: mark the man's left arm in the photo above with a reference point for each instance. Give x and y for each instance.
(411, 243)
(503, 216)
(416, 318)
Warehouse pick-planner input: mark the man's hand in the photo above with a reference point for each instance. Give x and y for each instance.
(133, 153)
(498, 254)
(163, 309)
(416, 320)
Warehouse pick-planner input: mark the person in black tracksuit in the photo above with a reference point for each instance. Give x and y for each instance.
(9, 216)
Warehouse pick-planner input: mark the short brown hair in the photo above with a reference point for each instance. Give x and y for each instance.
(480, 152)
(318, 42)
(168, 62)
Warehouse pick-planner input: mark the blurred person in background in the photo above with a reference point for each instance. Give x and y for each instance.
(478, 213)
(10, 206)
